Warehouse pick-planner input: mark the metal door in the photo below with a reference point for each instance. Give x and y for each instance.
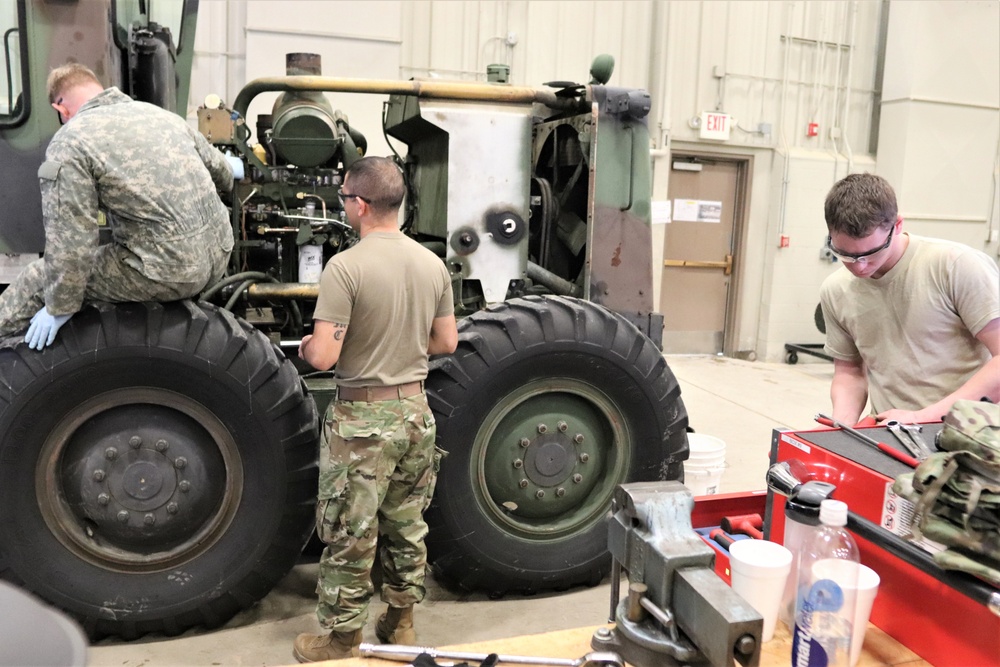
(699, 250)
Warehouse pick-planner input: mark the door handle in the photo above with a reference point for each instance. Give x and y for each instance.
(696, 264)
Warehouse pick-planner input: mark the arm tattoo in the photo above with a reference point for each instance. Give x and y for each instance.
(338, 331)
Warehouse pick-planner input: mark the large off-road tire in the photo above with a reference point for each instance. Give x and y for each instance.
(157, 467)
(548, 404)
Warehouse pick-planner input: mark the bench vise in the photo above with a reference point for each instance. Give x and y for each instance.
(678, 611)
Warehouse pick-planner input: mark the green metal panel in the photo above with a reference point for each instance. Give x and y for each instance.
(55, 32)
(620, 243)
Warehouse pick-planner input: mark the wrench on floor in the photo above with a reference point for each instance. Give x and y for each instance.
(402, 653)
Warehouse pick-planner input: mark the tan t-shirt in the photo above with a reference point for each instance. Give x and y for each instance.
(388, 289)
(914, 327)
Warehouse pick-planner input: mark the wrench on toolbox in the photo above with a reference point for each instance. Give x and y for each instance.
(858, 435)
(909, 436)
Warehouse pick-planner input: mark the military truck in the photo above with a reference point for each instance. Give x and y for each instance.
(158, 461)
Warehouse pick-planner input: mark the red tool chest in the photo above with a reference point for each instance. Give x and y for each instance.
(942, 616)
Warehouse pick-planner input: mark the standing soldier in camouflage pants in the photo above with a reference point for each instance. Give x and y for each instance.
(384, 305)
(154, 178)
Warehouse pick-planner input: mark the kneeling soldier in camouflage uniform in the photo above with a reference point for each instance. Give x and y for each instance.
(384, 305)
(155, 179)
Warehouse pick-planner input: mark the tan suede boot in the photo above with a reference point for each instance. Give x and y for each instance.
(396, 626)
(331, 646)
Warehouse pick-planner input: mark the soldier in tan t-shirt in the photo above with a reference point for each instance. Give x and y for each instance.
(384, 305)
(912, 323)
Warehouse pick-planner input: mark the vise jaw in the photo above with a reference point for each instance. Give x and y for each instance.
(678, 610)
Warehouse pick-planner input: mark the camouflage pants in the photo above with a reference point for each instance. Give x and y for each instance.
(110, 280)
(378, 467)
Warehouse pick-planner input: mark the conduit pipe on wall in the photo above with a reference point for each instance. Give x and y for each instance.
(847, 91)
(835, 140)
(782, 203)
(659, 33)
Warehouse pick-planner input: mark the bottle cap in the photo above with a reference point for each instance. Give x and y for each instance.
(833, 512)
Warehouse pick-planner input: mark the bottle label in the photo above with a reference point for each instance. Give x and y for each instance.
(821, 637)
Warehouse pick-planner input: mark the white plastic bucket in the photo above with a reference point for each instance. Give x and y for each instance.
(705, 465)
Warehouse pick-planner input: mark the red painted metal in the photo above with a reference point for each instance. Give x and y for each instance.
(940, 624)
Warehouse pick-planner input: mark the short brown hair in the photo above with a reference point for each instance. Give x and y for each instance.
(379, 181)
(859, 204)
(63, 78)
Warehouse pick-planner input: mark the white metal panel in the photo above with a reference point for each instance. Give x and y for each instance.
(939, 136)
(352, 19)
(354, 40)
(946, 51)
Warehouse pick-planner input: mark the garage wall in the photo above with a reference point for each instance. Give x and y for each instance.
(930, 124)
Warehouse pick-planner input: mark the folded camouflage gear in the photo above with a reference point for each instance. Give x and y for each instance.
(957, 491)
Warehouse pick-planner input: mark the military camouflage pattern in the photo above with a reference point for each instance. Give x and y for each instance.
(377, 470)
(957, 492)
(973, 426)
(111, 280)
(156, 180)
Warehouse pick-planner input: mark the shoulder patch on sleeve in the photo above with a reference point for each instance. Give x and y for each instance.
(49, 170)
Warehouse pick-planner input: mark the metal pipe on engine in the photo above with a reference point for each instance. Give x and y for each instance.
(552, 281)
(444, 90)
(283, 291)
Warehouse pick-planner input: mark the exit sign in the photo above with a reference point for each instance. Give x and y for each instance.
(715, 125)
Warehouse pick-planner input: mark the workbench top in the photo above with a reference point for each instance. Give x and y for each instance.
(879, 649)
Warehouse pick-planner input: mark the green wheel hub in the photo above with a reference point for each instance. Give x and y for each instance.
(548, 457)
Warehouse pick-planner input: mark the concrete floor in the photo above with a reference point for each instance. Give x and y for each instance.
(740, 402)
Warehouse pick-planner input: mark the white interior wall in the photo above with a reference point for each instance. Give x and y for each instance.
(774, 66)
(939, 137)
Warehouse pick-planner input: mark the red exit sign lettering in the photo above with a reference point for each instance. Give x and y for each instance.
(715, 125)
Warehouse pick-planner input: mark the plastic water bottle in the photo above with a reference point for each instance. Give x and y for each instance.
(827, 591)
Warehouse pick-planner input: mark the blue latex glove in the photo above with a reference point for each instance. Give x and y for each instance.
(237, 166)
(43, 329)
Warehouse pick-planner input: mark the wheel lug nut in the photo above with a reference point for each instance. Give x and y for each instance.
(584, 457)
(539, 494)
(542, 428)
(518, 463)
(103, 499)
(523, 484)
(180, 462)
(161, 445)
(562, 427)
(111, 453)
(171, 508)
(184, 485)
(577, 478)
(560, 492)
(578, 438)
(149, 519)
(123, 517)
(134, 442)
(525, 442)
(98, 475)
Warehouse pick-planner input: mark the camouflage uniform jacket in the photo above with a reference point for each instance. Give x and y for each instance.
(153, 176)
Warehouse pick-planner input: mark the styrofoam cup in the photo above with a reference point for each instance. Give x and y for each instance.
(759, 569)
(867, 588)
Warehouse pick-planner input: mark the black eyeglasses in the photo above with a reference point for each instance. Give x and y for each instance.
(850, 258)
(345, 195)
(59, 113)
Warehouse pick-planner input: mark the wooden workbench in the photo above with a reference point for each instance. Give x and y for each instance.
(880, 649)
